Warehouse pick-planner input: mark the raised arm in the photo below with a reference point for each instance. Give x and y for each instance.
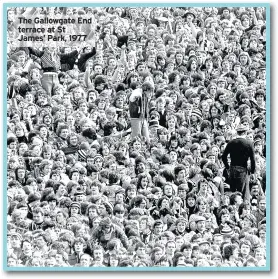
(36, 52)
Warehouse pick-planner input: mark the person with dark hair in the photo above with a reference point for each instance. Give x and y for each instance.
(79, 245)
(230, 255)
(38, 220)
(107, 231)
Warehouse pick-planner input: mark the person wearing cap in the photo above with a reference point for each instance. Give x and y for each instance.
(80, 195)
(74, 209)
(203, 245)
(240, 150)
(15, 240)
(200, 222)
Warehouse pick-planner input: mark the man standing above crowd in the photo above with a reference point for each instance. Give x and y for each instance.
(240, 150)
(138, 108)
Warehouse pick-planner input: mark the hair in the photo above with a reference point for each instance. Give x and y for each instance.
(228, 251)
(233, 197)
(198, 201)
(176, 257)
(38, 210)
(140, 177)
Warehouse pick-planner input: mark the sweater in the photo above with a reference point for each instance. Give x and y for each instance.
(240, 151)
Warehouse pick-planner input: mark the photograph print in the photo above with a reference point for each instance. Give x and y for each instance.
(136, 137)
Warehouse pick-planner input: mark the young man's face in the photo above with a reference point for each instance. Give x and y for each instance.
(173, 156)
(141, 251)
(98, 163)
(225, 217)
(191, 201)
(170, 248)
(15, 241)
(131, 193)
(158, 229)
(21, 58)
(168, 190)
(64, 133)
(141, 167)
(40, 242)
(142, 225)
(245, 249)
(78, 247)
(262, 205)
(38, 217)
(141, 68)
(74, 210)
(181, 226)
(27, 248)
(182, 193)
(80, 198)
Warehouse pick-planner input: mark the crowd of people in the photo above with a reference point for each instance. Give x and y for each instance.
(141, 146)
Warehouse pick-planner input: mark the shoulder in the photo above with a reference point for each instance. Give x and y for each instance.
(135, 93)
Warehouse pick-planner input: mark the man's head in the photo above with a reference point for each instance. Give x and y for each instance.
(98, 254)
(15, 239)
(158, 227)
(245, 247)
(170, 247)
(200, 223)
(148, 89)
(262, 203)
(38, 215)
(85, 260)
(79, 245)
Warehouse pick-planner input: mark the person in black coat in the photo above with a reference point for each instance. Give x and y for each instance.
(240, 150)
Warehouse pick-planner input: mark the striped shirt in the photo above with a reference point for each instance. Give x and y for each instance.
(50, 62)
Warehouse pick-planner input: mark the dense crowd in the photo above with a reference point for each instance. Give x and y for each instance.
(117, 146)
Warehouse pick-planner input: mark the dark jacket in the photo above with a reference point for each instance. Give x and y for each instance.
(116, 232)
(83, 59)
(74, 259)
(240, 151)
